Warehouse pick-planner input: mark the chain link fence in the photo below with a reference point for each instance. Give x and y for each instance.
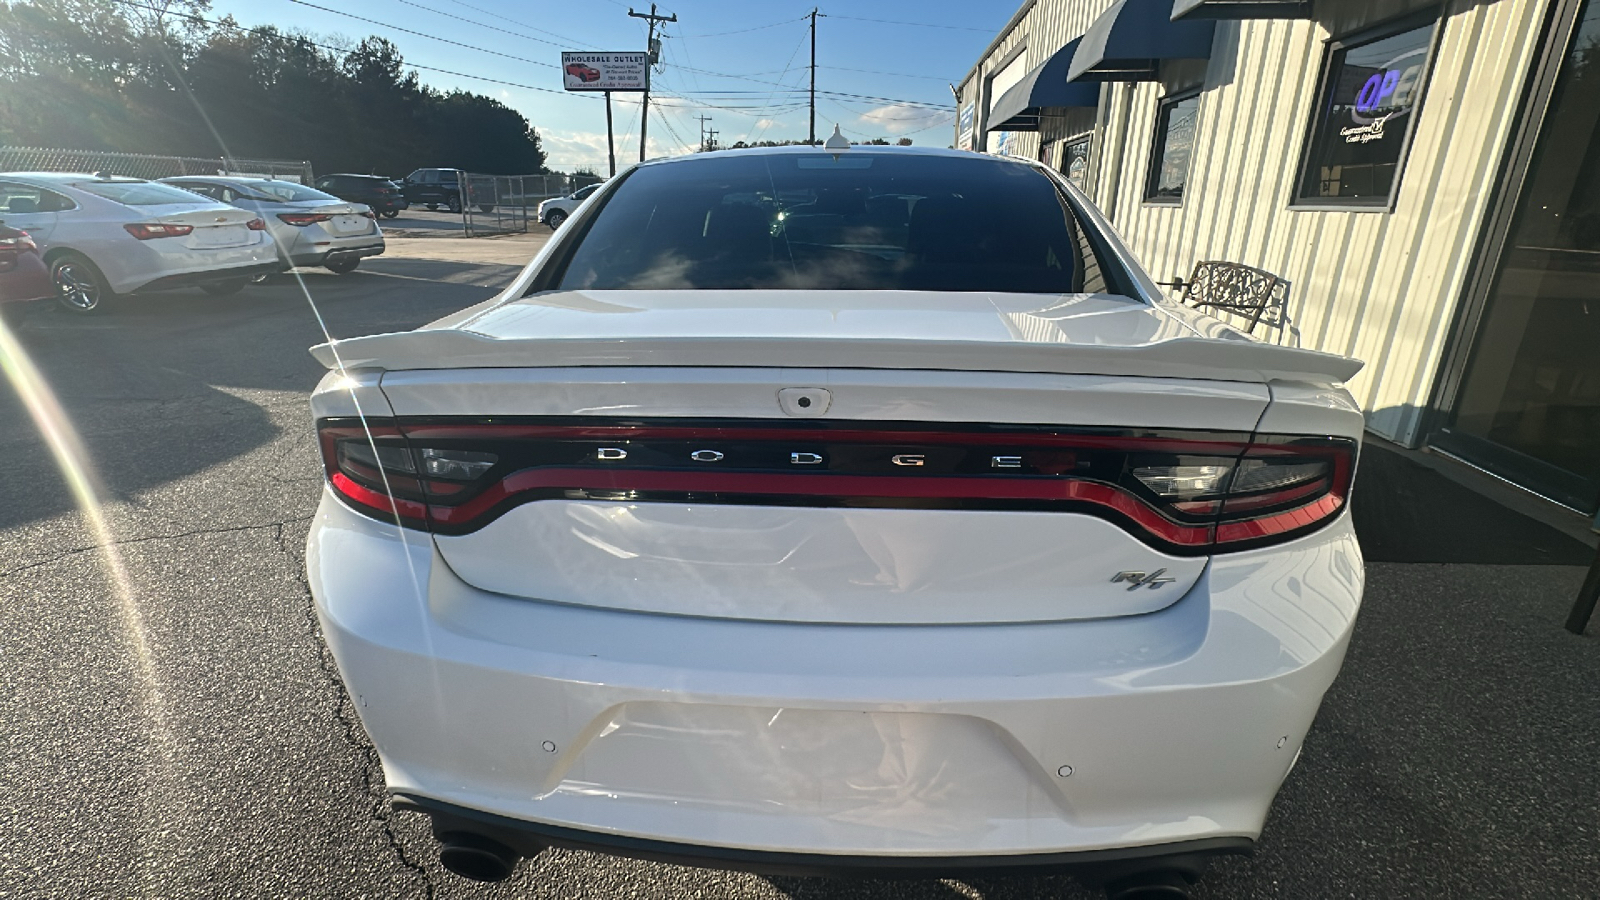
(146, 165)
(501, 204)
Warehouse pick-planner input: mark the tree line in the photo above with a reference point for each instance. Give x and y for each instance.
(160, 76)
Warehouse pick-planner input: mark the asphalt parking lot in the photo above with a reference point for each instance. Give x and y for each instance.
(180, 731)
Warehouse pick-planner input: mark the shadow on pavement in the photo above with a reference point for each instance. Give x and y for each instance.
(158, 385)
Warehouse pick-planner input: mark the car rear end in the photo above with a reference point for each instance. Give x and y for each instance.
(23, 273)
(325, 232)
(150, 236)
(849, 579)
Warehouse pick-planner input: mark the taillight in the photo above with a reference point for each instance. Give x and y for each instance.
(304, 219)
(1186, 493)
(145, 231)
(256, 224)
(18, 242)
(368, 214)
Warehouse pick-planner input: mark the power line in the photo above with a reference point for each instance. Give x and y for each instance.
(879, 72)
(340, 51)
(914, 24)
(431, 37)
(518, 34)
(744, 30)
(523, 24)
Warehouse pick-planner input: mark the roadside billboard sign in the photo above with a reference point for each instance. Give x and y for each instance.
(601, 71)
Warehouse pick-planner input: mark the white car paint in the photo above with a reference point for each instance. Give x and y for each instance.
(840, 682)
(565, 205)
(351, 231)
(219, 247)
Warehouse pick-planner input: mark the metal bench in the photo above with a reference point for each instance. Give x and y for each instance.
(1252, 294)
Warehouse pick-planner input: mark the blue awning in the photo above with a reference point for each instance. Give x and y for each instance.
(1241, 9)
(1129, 41)
(1020, 108)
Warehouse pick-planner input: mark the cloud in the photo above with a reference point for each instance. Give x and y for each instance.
(568, 150)
(897, 118)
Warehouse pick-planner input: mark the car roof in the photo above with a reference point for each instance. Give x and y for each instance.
(354, 175)
(67, 177)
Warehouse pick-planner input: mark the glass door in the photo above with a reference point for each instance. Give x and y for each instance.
(1529, 404)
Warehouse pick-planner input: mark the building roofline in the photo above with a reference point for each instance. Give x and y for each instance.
(1016, 19)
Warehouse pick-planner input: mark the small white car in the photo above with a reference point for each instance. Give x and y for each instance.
(858, 512)
(556, 210)
(312, 228)
(103, 236)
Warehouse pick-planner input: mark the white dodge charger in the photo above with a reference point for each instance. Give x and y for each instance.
(820, 512)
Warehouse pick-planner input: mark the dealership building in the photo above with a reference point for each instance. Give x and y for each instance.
(1425, 176)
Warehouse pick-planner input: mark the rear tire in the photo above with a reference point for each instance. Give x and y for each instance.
(555, 219)
(432, 206)
(225, 288)
(80, 287)
(342, 266)
(486, 207)
(390, 214)
(454, 204)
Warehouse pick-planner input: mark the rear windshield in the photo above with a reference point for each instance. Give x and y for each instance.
(140, 193)
(808, 221)
(288, 191)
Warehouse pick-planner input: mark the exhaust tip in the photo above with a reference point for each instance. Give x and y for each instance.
(1160, 885)
(477, 857)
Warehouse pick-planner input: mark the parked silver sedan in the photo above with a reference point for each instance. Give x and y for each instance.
(312, 228)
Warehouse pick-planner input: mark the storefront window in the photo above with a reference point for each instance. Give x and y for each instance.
(1075, 163)
(1169, 160)
(1372, 88)
(1529, 406)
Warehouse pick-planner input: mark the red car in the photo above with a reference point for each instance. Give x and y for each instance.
(582, 72)
(23, 274)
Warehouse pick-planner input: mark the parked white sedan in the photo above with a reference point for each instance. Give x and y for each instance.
(556, 210)
(104, 236)
(867, 511)
(312, 228)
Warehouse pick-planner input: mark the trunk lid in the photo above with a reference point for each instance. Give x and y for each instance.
(215, 227)
(664, 470)
(1070, 333)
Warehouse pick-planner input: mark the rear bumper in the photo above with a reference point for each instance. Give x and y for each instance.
(868, 747)
(196, 279)
(322, 256)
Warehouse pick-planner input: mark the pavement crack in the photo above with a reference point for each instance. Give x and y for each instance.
(371, 769)
(7, 573)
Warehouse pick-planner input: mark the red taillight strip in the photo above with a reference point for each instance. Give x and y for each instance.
(429, 431)
(378, 500)
(1278, 523)
(819, 485)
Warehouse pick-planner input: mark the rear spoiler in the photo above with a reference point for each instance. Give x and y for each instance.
(1207, 358)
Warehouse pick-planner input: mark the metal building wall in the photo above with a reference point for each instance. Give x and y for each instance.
(1380, 286)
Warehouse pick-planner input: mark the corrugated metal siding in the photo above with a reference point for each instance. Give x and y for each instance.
(1380, 286)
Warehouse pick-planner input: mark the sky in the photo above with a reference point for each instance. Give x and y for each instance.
(742, 64)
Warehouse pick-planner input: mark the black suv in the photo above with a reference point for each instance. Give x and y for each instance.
(434, 188)
(379, 193)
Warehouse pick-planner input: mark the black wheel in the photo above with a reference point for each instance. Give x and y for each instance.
(225, 288)
(454, 204)
(555, 219)
(80, 287)
(432, 206)
(390, 214)
(343, 266)
(486, 207)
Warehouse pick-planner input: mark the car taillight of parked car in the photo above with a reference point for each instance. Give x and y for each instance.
(13, 244)
(1185, 493)
(304, 219)
(146, 231)
(256, 224)
(369, 214)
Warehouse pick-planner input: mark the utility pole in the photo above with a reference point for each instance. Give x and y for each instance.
(650, 60)
(611, 144)
(703, 145)
(712, 136)
(811, 132)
